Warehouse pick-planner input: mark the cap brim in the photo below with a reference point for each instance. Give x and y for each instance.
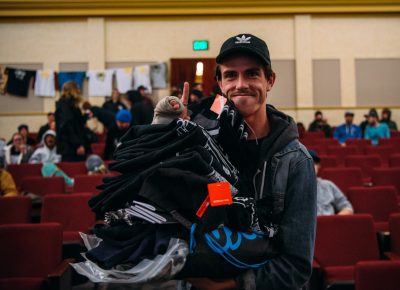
(238, 49)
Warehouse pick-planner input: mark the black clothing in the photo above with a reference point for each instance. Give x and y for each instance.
(43, 129)
(113, 107)
(142, 109)
(70, 129)
(316, 126)
(114, 133)
(18, 81)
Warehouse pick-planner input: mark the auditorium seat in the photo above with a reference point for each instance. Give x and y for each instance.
(379, 201)
(395, 134)
(73, 168)
(359, 143)
(365, 162)
(376, 275)
(383, 151)
(98, 148)
(40, 185)
(87, 183)
(343, 177)
(314, 135)
(327, 142)
(328, 161)
(71, 211)
(15, 210)
(395, 142)
(19, 171)
(394, 160)
(31, 257)
(387, 176)
(394, 228)
(341, 242)
(341, 152)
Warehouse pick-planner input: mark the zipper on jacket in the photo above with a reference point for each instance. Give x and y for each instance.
(263, 179)
(254, 184)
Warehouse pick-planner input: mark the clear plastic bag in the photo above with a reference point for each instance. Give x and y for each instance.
(161, 268)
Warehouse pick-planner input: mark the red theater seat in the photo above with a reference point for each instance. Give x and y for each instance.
(15, 210)
(328, 161)
(387, 176)
(98, 148)
(71, 211)
(341, 152)
(395, 142)
(383, 151)
(379, 201)
(394, 228)
(376, 275)
(327, 142)
(20, 171)
(31, 257)
(341, 242)
(365, 163)
(87, 183)
(343, 177)
(394, 160)
(43, 185)
(73, 168)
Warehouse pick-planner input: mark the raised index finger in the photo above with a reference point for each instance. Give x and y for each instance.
(185, 99)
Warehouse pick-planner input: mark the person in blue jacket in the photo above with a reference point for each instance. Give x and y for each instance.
(347, 130)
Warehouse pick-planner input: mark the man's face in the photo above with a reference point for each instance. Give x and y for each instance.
(50, 141)
(17, 140)
(23, 132)
(243, 81)
(123, 125)
(115, 95)
(372, 120)
(385, 116)
(348, 119)
(318, 117)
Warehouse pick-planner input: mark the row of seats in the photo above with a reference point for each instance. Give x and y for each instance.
(71, 211)
(343, 241)
(321, 135)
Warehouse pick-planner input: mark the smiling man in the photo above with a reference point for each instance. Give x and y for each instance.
(276, 169)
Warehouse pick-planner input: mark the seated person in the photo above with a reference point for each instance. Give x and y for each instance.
(24, 131)
(330, 199)
(50, 125)
(386, 118)
(347, 130)
(375, 130)
(320, 124)
(47, 153)
(7, 184)
(17, 152)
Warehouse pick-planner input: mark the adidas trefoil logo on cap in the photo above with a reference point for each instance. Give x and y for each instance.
(242, 39)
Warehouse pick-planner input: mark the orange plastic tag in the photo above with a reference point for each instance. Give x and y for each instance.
(203, 207)
(219, 193)
(218, 104)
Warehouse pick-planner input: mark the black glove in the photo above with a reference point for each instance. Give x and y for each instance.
(232, 134)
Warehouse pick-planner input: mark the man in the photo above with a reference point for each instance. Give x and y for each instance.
(17, 152)
(50, 125)
(23, 129)
(116, 125)
(275, 167)
(114, 104)
(347, 130)
(375, 130)
(320, 124)
(48, 152)
(330, 199)
(386, 118)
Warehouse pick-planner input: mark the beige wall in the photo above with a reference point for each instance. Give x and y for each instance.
(303, 38)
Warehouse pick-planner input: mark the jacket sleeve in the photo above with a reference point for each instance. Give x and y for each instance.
(65, 118)
(292, 268)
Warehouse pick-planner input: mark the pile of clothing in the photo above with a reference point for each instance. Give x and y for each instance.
(153, 230)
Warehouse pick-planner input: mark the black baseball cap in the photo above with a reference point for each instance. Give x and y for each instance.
(247, 43)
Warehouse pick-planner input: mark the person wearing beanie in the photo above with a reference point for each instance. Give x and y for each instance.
(376, 130)
(330, 199)
(48, 152)
(95, 165)
(168, 109)
(117, 125)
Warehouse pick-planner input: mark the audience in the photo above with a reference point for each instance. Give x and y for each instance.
(347, 130)
(330, 199)
(386, 118)
(17, 152)
(375, 130)
(320, 125)
(50, 125)
(72, 141)
(114, 104)
(47, 153)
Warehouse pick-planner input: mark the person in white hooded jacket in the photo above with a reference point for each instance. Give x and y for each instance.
(48, 152)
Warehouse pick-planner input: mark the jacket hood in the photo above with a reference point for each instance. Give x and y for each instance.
(283, 130)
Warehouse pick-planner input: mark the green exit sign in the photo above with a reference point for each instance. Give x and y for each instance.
(200, 45)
